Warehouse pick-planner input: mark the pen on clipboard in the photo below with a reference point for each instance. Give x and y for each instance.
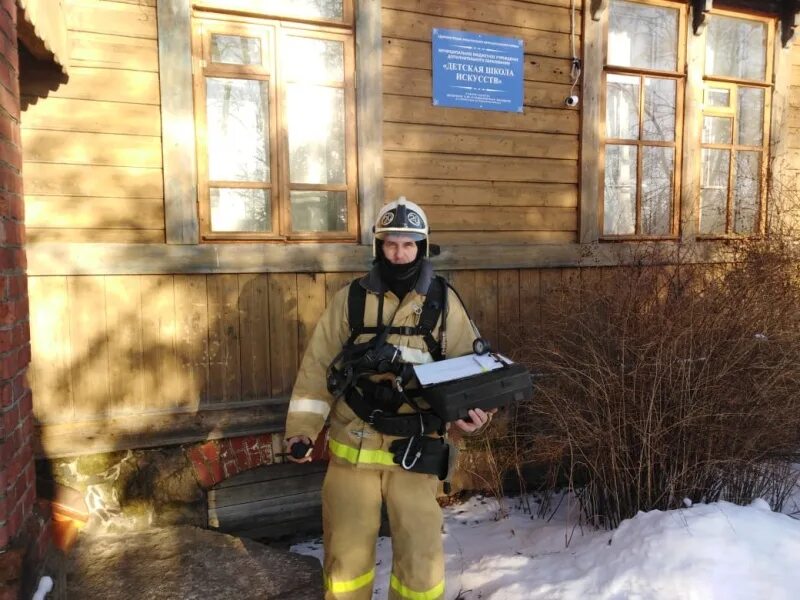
(480, 364)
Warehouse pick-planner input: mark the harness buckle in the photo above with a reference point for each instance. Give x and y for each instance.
(374, 415)
(398, 384)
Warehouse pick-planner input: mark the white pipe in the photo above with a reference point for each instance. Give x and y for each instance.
(45, 586)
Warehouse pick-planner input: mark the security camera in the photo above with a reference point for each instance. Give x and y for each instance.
(571, 101)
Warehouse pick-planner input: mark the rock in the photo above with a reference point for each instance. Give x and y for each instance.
(187, 563)
(93, 465)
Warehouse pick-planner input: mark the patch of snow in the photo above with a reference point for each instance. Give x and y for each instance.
(717, 551)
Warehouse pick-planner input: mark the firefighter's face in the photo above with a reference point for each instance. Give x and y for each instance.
(399, 249)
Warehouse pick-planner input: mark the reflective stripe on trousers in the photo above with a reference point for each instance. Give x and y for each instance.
(350, 585)
(405, 592)
(360, 456)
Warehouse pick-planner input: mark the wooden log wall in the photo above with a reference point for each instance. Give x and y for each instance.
(115, 358)
(115, 345)
(458, 163)
(790, 167)
(92, 147)
(123, 351)
(269, 502)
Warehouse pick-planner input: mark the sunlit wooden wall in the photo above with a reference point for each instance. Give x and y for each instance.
(790, 169)
(108, 346)
(112, 353)
(92, 147)
(458, 163)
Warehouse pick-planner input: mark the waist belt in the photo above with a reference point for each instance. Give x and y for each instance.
(385, 420)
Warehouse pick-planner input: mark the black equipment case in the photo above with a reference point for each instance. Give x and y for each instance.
(452, 400)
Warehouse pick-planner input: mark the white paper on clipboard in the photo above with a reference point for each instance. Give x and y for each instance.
(458, 368)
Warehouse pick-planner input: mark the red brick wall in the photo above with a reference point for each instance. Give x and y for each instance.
(23, 533)
(216, 460)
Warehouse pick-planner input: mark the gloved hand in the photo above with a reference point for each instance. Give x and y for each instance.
(298, 449)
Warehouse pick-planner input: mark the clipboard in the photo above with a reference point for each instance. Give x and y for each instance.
(458, 368)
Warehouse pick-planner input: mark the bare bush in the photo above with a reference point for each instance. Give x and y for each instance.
(658, 384)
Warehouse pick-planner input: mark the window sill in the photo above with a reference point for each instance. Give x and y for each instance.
(729, 237)
(637, 238)
(297, 238)
(54, 258)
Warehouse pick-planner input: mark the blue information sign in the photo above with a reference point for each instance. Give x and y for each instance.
(475, 70)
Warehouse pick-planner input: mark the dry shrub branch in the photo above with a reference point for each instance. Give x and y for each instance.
(658, 384)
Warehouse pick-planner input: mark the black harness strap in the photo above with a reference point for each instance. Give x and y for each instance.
(356, 301)
(435, 305)
(377, 403)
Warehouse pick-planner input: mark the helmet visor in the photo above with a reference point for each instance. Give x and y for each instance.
(416, 236)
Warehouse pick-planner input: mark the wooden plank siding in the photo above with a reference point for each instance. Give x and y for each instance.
(224, 338)
(115, 17)
(311, 299)
(92, 146)
(483, 177)
(173, 350)
(253, 312)
(544, 15)
(191, 311)
(283, 330)
(133, 360)
(110, 51)
(269, 502)
(788, 169)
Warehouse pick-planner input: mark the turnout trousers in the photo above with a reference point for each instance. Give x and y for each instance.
(351, 515)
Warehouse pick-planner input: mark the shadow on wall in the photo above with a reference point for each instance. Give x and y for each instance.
(154, 352)
(37, 77)
(195, 367)
(122, 364)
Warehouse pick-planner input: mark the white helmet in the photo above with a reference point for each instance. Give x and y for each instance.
(401, 217)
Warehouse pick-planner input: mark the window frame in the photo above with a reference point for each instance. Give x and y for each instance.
(223, 71)
(679, 76)
(206, 23)
(257, 9)
(734, 84)
(350, 185)
(689, 118)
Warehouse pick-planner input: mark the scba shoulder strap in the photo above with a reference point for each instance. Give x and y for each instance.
(435, 305)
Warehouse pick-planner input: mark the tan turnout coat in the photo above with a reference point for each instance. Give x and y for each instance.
(351, 440)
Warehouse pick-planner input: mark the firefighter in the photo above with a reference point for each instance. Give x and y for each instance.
(384, 446)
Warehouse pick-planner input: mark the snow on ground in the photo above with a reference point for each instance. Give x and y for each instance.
(717, 551)
(792, 504)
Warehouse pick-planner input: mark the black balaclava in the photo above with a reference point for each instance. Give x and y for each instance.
(400, 279)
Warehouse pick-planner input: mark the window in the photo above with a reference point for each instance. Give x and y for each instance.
(643, 81)
(736, 92)
(642, 139)
(275, 111)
